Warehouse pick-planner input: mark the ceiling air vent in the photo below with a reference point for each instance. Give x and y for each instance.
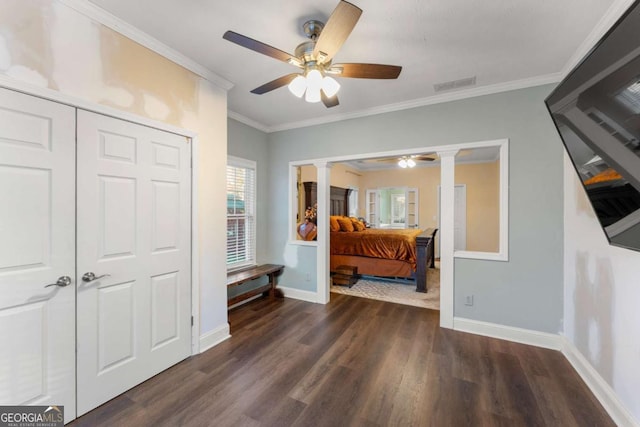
(454, 84)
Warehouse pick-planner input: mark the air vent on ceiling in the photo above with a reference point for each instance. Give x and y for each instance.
(454, 84)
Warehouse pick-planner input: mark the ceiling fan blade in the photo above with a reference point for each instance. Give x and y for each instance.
(426, 158)
(275, 84)
(329, 102)
(260, 47)
(337, 29)
(366, 71)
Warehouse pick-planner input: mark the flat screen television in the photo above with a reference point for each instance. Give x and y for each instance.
(596, 109)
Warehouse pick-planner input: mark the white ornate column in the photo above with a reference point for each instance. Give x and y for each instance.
(322, 255)
(447, 207)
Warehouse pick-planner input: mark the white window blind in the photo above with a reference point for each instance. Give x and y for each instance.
(241, 213)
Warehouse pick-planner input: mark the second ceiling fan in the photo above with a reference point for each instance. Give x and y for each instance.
(314, 58)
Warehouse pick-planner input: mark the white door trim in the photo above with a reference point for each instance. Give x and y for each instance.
(79, 103)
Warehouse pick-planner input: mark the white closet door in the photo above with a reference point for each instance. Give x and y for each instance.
(134, 224)
(37, 239)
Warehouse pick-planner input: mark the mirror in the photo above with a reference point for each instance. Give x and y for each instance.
(307, 198)
(477, 200)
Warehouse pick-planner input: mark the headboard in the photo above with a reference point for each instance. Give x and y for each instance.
(339, 201)
(338, 198)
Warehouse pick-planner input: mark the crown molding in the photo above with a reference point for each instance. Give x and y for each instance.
(610, 17)
(247, 121)
(431, 100)
(105, 18)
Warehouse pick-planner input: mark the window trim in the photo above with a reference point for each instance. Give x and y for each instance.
(240, 162)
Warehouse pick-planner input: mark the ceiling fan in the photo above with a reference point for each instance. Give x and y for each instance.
(314, 58)
(409, 161)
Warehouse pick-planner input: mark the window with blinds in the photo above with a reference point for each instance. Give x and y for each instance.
(241, 213)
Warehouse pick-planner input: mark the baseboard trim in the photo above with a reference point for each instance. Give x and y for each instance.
(509, 333)
(598, 386)
(299, 294)
(214, 337)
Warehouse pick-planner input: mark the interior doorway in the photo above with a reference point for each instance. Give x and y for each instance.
(394, 215)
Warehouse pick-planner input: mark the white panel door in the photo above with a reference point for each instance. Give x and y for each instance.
(37, 246)
(134, 208)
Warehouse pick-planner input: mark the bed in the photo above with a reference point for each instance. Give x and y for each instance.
(404, 253)
(386, 252)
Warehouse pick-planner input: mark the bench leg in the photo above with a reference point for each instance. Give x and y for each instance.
(272, 282)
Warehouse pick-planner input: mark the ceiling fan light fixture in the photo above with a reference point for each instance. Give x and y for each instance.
(330, 86)
(314, 81)
(312, 95)
(403, 163)
(298, 86)
(315, 58)
(411, 163)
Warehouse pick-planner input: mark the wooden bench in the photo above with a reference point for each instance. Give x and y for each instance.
(237, 278)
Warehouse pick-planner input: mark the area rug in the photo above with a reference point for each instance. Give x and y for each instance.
(393, 291)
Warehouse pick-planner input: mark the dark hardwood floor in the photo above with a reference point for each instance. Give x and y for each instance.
(356, 362)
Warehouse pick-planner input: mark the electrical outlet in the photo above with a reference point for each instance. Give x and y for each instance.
(308, 277)
(468, 300)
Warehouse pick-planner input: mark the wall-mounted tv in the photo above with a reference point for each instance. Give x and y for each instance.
(596, 109)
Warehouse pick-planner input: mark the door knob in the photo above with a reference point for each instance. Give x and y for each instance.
(90, 277)
(62, 282)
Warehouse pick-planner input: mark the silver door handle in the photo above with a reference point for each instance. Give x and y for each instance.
(62, 282)
(90, 277)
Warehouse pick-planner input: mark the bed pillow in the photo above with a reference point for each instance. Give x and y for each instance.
(334, 225)
(345, 224)
(357, 224)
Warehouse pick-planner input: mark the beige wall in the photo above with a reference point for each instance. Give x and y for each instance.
(425, 179)
(47, 44)
(341, 175)
(345, 177)
(308, 173)
(481, 180)
(483, 205)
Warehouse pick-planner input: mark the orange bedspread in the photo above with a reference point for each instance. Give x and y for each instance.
(377, 243)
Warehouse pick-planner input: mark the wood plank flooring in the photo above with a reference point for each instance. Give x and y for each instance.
(356, 362)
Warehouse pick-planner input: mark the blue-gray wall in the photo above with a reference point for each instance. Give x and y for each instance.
(525, 292)
(251, 144)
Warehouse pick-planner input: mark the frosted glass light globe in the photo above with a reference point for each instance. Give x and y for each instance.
(298, 86)
(314, 80)
(312, 95)
(330, 86)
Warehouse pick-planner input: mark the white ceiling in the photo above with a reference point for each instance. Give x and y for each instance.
(516, 43)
